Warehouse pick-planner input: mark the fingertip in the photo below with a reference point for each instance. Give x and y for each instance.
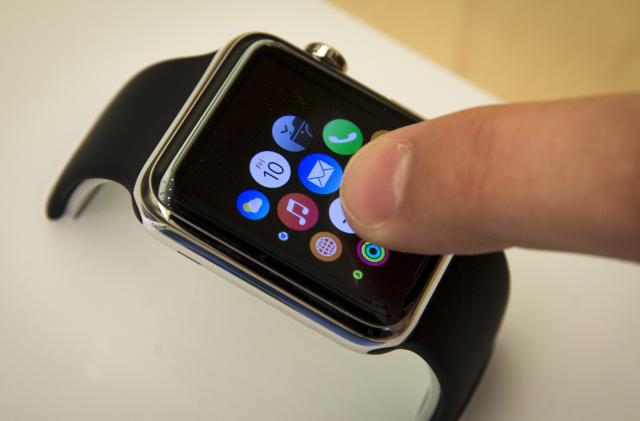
(373, 183)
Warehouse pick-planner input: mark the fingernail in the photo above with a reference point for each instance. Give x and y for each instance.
(374, 182)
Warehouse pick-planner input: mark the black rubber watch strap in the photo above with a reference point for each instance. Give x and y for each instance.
(121, 141)
(455, 334)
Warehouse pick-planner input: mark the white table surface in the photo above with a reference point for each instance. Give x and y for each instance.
(98, 321)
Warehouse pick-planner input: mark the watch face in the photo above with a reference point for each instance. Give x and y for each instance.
(263, 172)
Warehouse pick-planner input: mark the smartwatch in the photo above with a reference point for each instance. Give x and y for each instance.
(235, 159)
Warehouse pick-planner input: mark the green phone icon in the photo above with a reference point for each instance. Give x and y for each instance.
(342, 136)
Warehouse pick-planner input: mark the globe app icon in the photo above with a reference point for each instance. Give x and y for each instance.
(292, 133)
(325, 246)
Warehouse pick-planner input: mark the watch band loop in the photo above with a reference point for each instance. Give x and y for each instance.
(456, 332)
(125, 135)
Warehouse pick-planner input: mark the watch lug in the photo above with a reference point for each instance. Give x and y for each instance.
(328, 55)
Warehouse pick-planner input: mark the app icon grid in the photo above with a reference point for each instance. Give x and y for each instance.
(320, 174)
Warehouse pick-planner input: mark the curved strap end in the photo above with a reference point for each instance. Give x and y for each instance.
(71, 199)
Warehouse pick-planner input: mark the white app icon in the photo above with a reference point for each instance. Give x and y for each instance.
(270, 169)
(320, 173)
(252, 206)
(336, 214)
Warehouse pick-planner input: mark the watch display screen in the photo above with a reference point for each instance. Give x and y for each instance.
(265, 167)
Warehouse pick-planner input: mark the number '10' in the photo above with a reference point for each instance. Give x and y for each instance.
(274, 168)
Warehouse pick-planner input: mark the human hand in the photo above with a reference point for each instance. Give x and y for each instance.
(562, 175)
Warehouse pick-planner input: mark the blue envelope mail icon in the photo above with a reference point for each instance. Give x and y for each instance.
(320, 173)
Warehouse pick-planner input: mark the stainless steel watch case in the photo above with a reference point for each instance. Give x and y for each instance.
(200, 246)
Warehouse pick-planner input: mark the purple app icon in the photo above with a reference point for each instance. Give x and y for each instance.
(292, 133)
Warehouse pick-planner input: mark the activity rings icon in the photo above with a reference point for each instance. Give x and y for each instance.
(372, 254)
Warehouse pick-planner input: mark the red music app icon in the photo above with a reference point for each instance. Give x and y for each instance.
(297, 211)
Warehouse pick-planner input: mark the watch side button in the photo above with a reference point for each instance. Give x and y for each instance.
(193, 260)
